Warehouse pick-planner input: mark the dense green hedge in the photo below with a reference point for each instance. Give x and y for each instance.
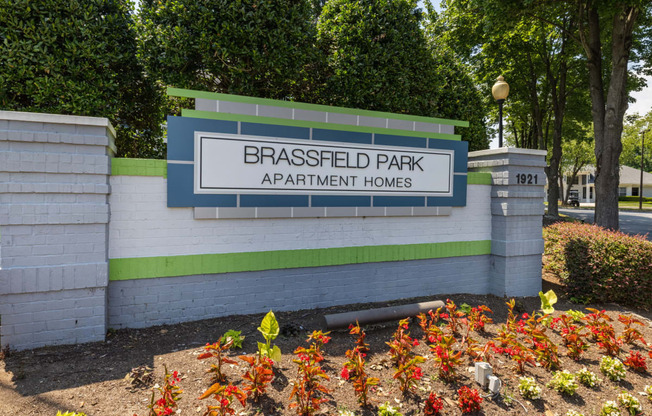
(598, 265)
(633, 199)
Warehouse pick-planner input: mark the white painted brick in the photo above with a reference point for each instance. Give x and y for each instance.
(140, 218)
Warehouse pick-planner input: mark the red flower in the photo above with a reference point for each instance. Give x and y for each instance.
(417, 374)
(345, 373)
(415, 342)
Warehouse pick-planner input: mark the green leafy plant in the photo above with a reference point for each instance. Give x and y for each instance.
(564, 382)
(588, 378)
(433, 405)
(629, 402)
(529, 388)
(609, 408)
(469, 399)
(548, 299)
(576, 316)
(170, 395)
(613, 368)
(218, 351)
(386, 410)
(270, 329)
(234, 336)
(225, 397)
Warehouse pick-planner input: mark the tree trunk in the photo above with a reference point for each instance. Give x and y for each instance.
(561, 189)
(537, 114)
(558, 95)
(608, 113)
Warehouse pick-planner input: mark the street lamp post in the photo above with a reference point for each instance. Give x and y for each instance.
(640, 189)
(500, 91)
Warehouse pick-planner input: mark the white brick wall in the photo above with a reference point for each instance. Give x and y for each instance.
(142, 226)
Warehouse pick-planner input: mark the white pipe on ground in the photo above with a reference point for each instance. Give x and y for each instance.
(372, 316)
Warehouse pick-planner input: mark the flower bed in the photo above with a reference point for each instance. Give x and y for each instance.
(416, 367)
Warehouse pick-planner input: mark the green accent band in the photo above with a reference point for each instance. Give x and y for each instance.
(313, 124)
(151, 267)
(139, 167)
(478, 178)
(179, 92)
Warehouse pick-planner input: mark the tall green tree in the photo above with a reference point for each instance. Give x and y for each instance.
(610, 33)
(80, 57)
(537, 58)
(378, 59)
(635, 127)
(249, 47)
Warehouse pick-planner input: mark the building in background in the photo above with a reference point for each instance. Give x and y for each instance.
(630, 183)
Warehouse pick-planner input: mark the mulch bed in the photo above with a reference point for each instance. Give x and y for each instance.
(90, 378)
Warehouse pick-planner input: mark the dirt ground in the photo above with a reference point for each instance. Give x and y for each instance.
(90, 378)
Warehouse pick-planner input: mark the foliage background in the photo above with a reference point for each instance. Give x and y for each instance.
(103, 58)
(80, 57)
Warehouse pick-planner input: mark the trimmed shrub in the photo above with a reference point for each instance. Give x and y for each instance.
(599, 265)
(634, 199)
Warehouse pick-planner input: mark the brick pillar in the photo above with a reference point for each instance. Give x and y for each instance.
(54, 212)
(517, 209)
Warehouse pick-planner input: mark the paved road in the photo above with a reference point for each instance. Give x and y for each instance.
(630, 222)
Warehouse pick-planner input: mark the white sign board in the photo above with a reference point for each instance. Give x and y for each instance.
(227, 163)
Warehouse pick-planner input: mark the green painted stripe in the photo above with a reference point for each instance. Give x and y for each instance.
(151, 267)
(139, 167)
(313, 124)
(179, 92)
(478, 178)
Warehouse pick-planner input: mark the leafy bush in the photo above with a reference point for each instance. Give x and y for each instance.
(564, 382)
(588, 378)
(613, 368)
(633, 199)
(598, 265)
(610, 408)
(387, 410)
(528, 388)
(630, 402)
(80, 57)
